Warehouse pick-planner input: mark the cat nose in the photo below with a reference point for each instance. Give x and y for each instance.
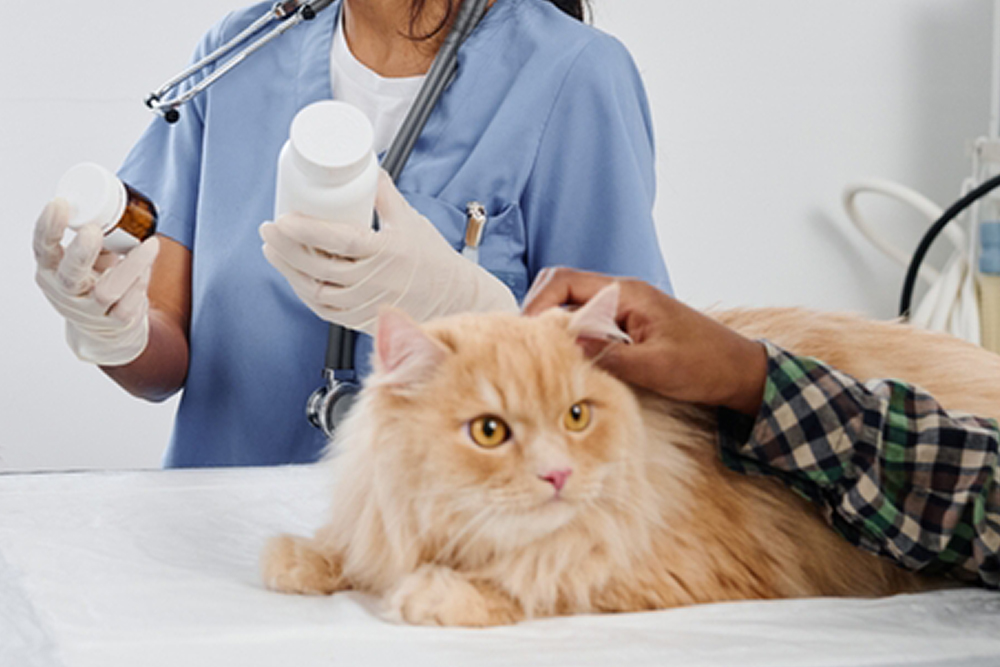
(557, 478)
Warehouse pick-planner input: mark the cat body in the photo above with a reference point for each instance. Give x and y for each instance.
(633, 511)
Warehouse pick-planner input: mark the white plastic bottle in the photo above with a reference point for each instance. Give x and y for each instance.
(95, 195)
(327, 169)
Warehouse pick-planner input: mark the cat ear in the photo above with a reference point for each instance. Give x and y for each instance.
(596, 319)
(404, 354)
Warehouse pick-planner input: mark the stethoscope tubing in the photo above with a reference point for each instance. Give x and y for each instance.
(440, 74)
(340, 341)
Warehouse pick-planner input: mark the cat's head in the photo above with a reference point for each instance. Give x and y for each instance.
(498, 424)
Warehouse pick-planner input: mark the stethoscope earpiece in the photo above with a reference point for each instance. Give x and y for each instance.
(285, 14)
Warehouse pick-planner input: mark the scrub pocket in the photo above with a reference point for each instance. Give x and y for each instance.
(502, 249)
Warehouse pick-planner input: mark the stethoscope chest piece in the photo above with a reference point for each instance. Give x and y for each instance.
(330, 403)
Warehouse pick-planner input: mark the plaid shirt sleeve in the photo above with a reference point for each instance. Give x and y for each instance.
(891, 470)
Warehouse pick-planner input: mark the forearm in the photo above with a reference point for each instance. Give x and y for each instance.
(160, 370)
(749, 359)
(892, 470)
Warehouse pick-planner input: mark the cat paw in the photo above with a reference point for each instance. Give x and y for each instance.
(440, 596)
(292, 564)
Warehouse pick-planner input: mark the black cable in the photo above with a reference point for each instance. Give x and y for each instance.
(925, 243)
(440, 74)
(334, 345)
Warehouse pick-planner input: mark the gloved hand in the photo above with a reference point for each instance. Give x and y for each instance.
(345, 273)
(101, 295)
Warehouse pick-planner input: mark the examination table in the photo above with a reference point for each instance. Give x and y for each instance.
(160, 568)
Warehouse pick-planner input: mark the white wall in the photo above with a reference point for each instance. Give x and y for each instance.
(764, 110)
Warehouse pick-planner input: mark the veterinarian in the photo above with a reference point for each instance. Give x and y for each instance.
(546, 125)
(893, 471)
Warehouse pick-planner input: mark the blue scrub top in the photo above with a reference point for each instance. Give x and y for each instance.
(546, 124)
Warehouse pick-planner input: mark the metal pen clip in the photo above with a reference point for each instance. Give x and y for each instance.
(475, 224)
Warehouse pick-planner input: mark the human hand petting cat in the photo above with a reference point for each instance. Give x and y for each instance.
(676, 351)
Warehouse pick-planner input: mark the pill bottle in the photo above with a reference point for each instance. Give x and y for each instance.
(94, 194)
(327, 169)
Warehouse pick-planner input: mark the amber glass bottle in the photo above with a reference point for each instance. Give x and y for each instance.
(94, 194)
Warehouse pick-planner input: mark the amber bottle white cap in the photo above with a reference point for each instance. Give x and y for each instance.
(94, 194)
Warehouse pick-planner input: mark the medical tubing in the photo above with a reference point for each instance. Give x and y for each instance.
(925, 243)
(904, 195)
(347, 350)
(340, 341)
(438, 77)
(316, 7)
(339, 348)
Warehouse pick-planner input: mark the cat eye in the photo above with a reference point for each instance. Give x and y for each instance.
(577, 417)
(489, 431)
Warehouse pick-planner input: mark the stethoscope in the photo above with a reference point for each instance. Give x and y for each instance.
(327, 405)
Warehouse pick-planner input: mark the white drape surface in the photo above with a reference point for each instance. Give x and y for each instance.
(160, 568)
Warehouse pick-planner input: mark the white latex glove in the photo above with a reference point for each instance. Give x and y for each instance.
(345, 273)
(102, 295)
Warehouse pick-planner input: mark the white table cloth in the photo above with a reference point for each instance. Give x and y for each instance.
(160, 568)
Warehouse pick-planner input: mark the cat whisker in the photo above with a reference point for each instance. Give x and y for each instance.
(472, 539)
(452, 507)
(632, 507)
(479, 518)
(512, 500)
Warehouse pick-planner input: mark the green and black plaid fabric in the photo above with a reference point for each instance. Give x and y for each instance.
(893, 472)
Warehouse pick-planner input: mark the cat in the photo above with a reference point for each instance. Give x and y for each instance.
(491, 473)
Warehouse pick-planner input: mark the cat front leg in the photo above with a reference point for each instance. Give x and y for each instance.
(292, 564)
(434, 595)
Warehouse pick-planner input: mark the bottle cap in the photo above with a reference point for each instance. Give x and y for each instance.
(94, 195)
(332, 141)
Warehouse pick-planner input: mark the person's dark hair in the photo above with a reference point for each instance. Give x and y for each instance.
(575, 8)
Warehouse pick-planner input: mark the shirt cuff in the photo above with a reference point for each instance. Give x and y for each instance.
(890, 469)
(798, 433)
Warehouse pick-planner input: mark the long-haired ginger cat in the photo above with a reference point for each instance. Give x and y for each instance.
(491, 473)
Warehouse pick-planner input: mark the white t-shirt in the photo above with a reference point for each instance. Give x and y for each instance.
(384, 100)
